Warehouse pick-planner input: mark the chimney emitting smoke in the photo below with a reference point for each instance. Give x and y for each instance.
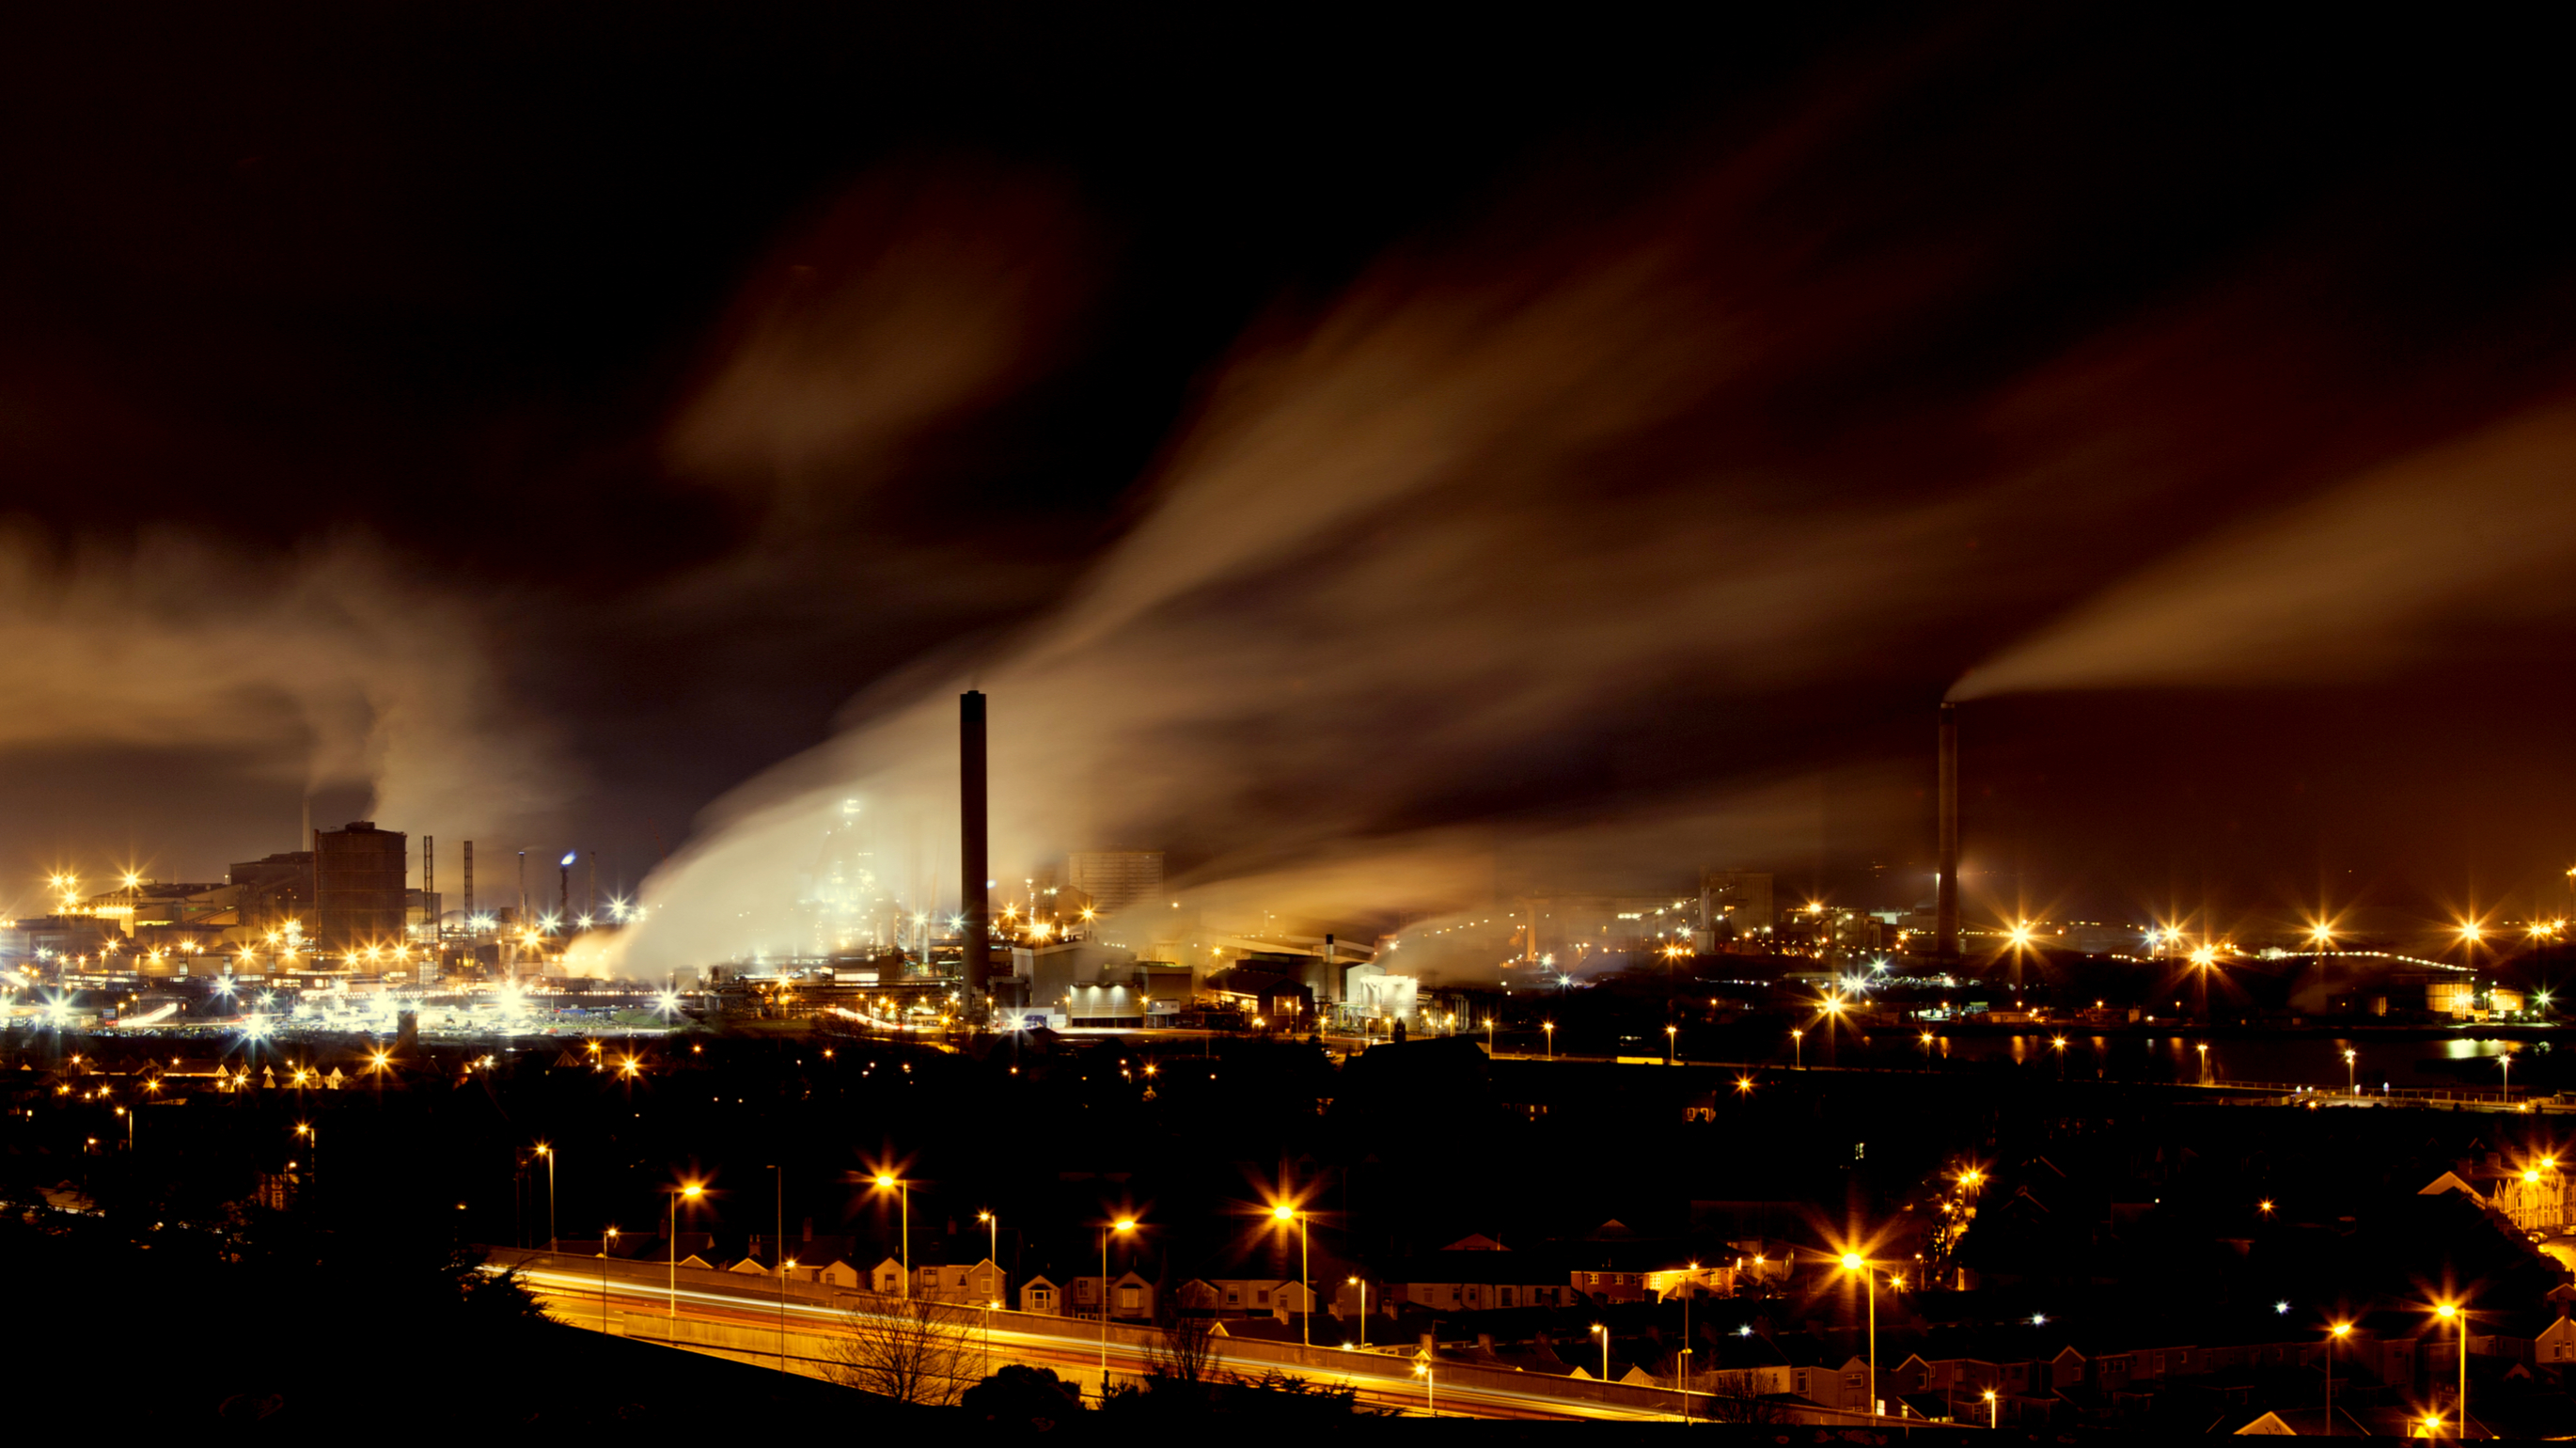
(972, 811)
(1945, 926)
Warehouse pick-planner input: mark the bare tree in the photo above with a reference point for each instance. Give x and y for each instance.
(1735, 1396)
(912, 1349)
(1188, 1352)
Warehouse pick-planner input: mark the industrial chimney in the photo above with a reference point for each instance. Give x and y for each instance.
(972, 829)
(1945, 928)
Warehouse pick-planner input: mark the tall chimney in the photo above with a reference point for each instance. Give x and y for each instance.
(429, 890)
(469, 889)
(973, 829)
(1945, 929)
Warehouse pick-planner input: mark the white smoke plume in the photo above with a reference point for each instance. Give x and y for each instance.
(337, 664)
(2364, 578)
(1438, 542)
(1370, 565)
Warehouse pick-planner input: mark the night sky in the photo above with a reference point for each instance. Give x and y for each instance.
(1378, 462)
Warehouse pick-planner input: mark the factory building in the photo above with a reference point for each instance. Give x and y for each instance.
(1115, 879)
(1735, 905)
(272, 890)
(359, 875)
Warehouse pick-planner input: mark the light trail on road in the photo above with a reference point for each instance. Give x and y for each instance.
(577, 1298)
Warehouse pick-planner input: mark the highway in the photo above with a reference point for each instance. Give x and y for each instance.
(575, 1292)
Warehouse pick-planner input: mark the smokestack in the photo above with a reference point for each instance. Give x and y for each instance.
(972, 829)
(1945, 929)
(429, 888)
(469, 889)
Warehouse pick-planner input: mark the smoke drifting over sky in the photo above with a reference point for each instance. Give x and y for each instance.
(2355, 583)
(1573, 462)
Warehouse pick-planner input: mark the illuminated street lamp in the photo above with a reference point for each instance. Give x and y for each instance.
(2351, 1073)
(1602, 1332)
(2334, 1335)
(1994, 1411)
(903, 1193)
(1797, 1048)
(692, 1191)
(548, 1153)
(607, 1250)
(2458, 1318)
(1123, 1225)
(1855, 1263)
(2059, 1043)
(2204, 958)
(1927, 1051)
(1672, 1043)
(1361, 1284)
(1550, 1028)
(1287, 1212)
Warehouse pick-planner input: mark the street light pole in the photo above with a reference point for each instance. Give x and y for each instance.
(1798, 1048)
(1362, 1284)
(903, 1194)
(607, 1249)
(1123, 1225)
(2460, 1323)
(690, 1191)
(2334, 1337)
(992, 1249)
(1286, 1212)
(547, 1152)
(1602, 1332)
(1855, 1263)
(1690, 1289)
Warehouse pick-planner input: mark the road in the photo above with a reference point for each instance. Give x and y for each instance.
(585, 1298)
